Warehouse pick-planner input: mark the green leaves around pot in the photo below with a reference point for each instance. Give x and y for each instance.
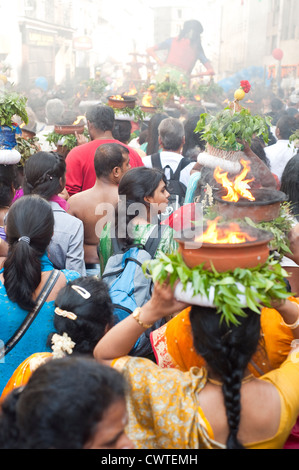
(12, 104)
(228, 129)
(261, 284)
(69, 141)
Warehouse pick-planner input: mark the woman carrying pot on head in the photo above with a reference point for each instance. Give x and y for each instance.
(44, 174)
(218, 406)
(24, 285)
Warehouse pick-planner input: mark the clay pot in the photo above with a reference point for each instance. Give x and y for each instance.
(127, 102)
(70, 129)
(27, 135)
(227, 257)
(149, 109)
(265, 208)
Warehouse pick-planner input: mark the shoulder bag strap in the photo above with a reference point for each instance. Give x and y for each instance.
(32, 315)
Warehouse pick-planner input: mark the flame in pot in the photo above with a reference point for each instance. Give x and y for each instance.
(78, 120)
(147, 100)
(132, 91)
(231, 234)
(117, 97)
(237, 188)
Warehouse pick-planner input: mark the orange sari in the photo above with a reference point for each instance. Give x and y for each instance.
(173, 346)
(23, 373)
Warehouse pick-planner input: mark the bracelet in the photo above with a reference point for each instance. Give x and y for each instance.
(136, 314)
(294, 325)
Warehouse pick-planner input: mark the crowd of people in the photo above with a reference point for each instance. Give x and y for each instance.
(70, 376)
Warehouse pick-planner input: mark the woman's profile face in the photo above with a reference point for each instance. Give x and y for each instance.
(160, 197)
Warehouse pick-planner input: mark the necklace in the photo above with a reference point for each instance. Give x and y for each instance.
(244, 381)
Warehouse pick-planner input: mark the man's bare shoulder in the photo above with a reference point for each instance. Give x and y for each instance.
(90, 198)
(80, 200)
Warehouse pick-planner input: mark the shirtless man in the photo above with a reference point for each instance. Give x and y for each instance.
(95, 205)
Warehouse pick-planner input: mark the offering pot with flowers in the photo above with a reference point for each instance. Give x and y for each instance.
(11, 104)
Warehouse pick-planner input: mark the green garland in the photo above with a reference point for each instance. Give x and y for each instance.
(69, 141)
(225, 131)
(262, 284)
(135, 113)
(26, 147)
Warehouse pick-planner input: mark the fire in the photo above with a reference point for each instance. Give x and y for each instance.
(132, 91)
(117, 97)
(78, 120)
(238, 187)
(231, 234)
(147, 100)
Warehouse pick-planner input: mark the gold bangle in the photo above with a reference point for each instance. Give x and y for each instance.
(294, 325)
(136, 314)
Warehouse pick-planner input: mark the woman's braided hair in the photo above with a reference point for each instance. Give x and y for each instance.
(42, 174)
(227, 349)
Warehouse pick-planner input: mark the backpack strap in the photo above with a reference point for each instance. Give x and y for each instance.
(156, 161)
(183, 163)
(154, 239)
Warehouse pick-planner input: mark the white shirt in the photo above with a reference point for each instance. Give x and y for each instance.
(279, 154)
(172, 159)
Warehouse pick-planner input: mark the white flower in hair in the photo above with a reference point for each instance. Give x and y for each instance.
(62, 345)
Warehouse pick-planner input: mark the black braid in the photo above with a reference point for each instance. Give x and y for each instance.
(227, 350)
(233, 364)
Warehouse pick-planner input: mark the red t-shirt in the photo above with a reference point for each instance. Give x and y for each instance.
(80, 172)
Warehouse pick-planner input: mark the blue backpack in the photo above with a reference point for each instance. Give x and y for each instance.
(129, 288)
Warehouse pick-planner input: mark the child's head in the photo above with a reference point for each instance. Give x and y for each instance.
(84, 312)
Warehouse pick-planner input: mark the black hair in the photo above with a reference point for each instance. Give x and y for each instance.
(258, 148)
(122, 131)
(227, 350)
(43, 172)
(107, 157)
(102, 117)
(290, 183)
(192, 139)
(193, 30)
(192, 25)
(287, 126)
(135, 185)
(94, 315)
(152, 135)
(276, 105)
(29, 216)
(61, 406)
(143, 136)
(7, 179)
